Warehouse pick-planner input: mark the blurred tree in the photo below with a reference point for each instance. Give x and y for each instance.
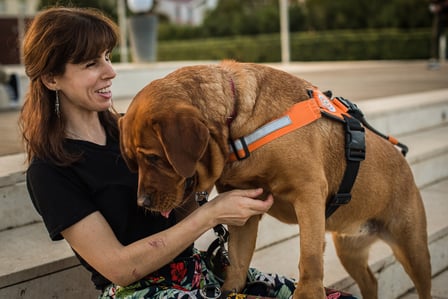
(249, 17)
(107, 6)
(252, 17)
(364, 14)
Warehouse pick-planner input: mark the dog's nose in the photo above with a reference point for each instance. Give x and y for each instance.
(145, 201)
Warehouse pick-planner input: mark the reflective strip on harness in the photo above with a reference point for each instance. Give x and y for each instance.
(298, 116)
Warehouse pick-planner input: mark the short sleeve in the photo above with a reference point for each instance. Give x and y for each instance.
(58, 196)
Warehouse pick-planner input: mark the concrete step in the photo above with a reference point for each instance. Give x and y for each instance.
(32, 264)
(17, 209)
(22, 260)
(405, 114)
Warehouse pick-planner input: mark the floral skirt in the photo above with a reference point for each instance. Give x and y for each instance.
(189, 278)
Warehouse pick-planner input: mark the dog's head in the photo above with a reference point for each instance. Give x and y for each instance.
(164, 139)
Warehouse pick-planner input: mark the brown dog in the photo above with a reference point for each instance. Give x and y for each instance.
(176, 133)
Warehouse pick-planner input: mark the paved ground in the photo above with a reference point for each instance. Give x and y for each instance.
(357, 81)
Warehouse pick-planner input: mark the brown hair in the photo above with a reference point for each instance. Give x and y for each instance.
(58, 36)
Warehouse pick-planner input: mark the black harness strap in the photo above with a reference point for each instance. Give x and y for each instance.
(355, 152)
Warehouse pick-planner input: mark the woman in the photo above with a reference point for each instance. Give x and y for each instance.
(84, 191)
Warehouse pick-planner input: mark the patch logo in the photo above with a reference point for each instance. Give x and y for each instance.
(326, 102)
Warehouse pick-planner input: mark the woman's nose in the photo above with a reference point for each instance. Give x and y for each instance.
(109, 71)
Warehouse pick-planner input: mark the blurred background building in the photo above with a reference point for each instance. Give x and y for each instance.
(13, 17)
(186, 12)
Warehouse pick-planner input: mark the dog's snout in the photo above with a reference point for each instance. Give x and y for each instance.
(144, 201)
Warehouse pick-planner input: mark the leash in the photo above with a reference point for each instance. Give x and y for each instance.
(217, 256)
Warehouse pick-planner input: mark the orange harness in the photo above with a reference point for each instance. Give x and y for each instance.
(299, 115)
(304, 113)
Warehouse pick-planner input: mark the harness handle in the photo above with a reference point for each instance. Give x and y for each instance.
(354, 111)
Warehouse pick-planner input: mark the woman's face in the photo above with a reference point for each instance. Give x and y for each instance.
(86, 86)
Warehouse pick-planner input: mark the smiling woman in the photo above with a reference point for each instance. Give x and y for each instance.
(53, 57)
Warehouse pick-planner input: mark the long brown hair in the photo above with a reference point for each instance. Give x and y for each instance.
(58, 36)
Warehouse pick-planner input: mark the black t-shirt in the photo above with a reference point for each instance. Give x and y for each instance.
(100, 181)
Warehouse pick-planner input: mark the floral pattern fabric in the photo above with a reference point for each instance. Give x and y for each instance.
(189, 278)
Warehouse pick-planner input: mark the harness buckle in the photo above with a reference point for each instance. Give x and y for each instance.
(223, 236)
(352, 108)
(341, 199)
(221, 232)
(201, 197)
(355, 141)
(244, 147)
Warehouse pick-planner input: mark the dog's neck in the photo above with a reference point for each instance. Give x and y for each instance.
(234, 112)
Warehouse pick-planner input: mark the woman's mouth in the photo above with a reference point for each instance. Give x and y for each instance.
(106, 92)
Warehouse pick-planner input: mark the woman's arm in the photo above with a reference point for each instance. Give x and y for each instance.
(93, 239)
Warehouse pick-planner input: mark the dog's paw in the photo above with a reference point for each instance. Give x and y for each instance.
(308, 291)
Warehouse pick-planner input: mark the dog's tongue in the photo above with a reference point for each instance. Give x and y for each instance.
(166, 214)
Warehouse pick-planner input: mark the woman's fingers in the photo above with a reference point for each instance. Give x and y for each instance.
(237, 206)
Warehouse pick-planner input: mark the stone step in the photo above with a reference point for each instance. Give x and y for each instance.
(405, 114)
(32, 264)
(17, 209)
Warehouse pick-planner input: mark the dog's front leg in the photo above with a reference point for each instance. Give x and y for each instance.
(242, 241)
(311, 218)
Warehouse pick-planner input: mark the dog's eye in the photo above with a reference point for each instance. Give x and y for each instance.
(152, 159)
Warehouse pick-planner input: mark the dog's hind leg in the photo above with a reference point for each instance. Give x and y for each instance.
(353, 252)
(408, 240)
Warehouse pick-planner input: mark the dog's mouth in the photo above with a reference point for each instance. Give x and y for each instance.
(166, 214)
(189, 187)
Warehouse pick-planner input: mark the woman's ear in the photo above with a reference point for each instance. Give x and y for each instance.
(49, 81)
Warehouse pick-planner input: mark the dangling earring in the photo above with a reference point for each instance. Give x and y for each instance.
(56, 105)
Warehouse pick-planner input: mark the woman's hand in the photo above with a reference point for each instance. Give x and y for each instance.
(237, 206)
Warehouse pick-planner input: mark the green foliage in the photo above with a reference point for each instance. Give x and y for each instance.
(363, 14)
(235, 18)
(108, 6)
(254, 17)
(305, 46)
(168, 31)
(320, 30)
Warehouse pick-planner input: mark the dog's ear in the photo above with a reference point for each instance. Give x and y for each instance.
(126, 153)
(184, 139)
